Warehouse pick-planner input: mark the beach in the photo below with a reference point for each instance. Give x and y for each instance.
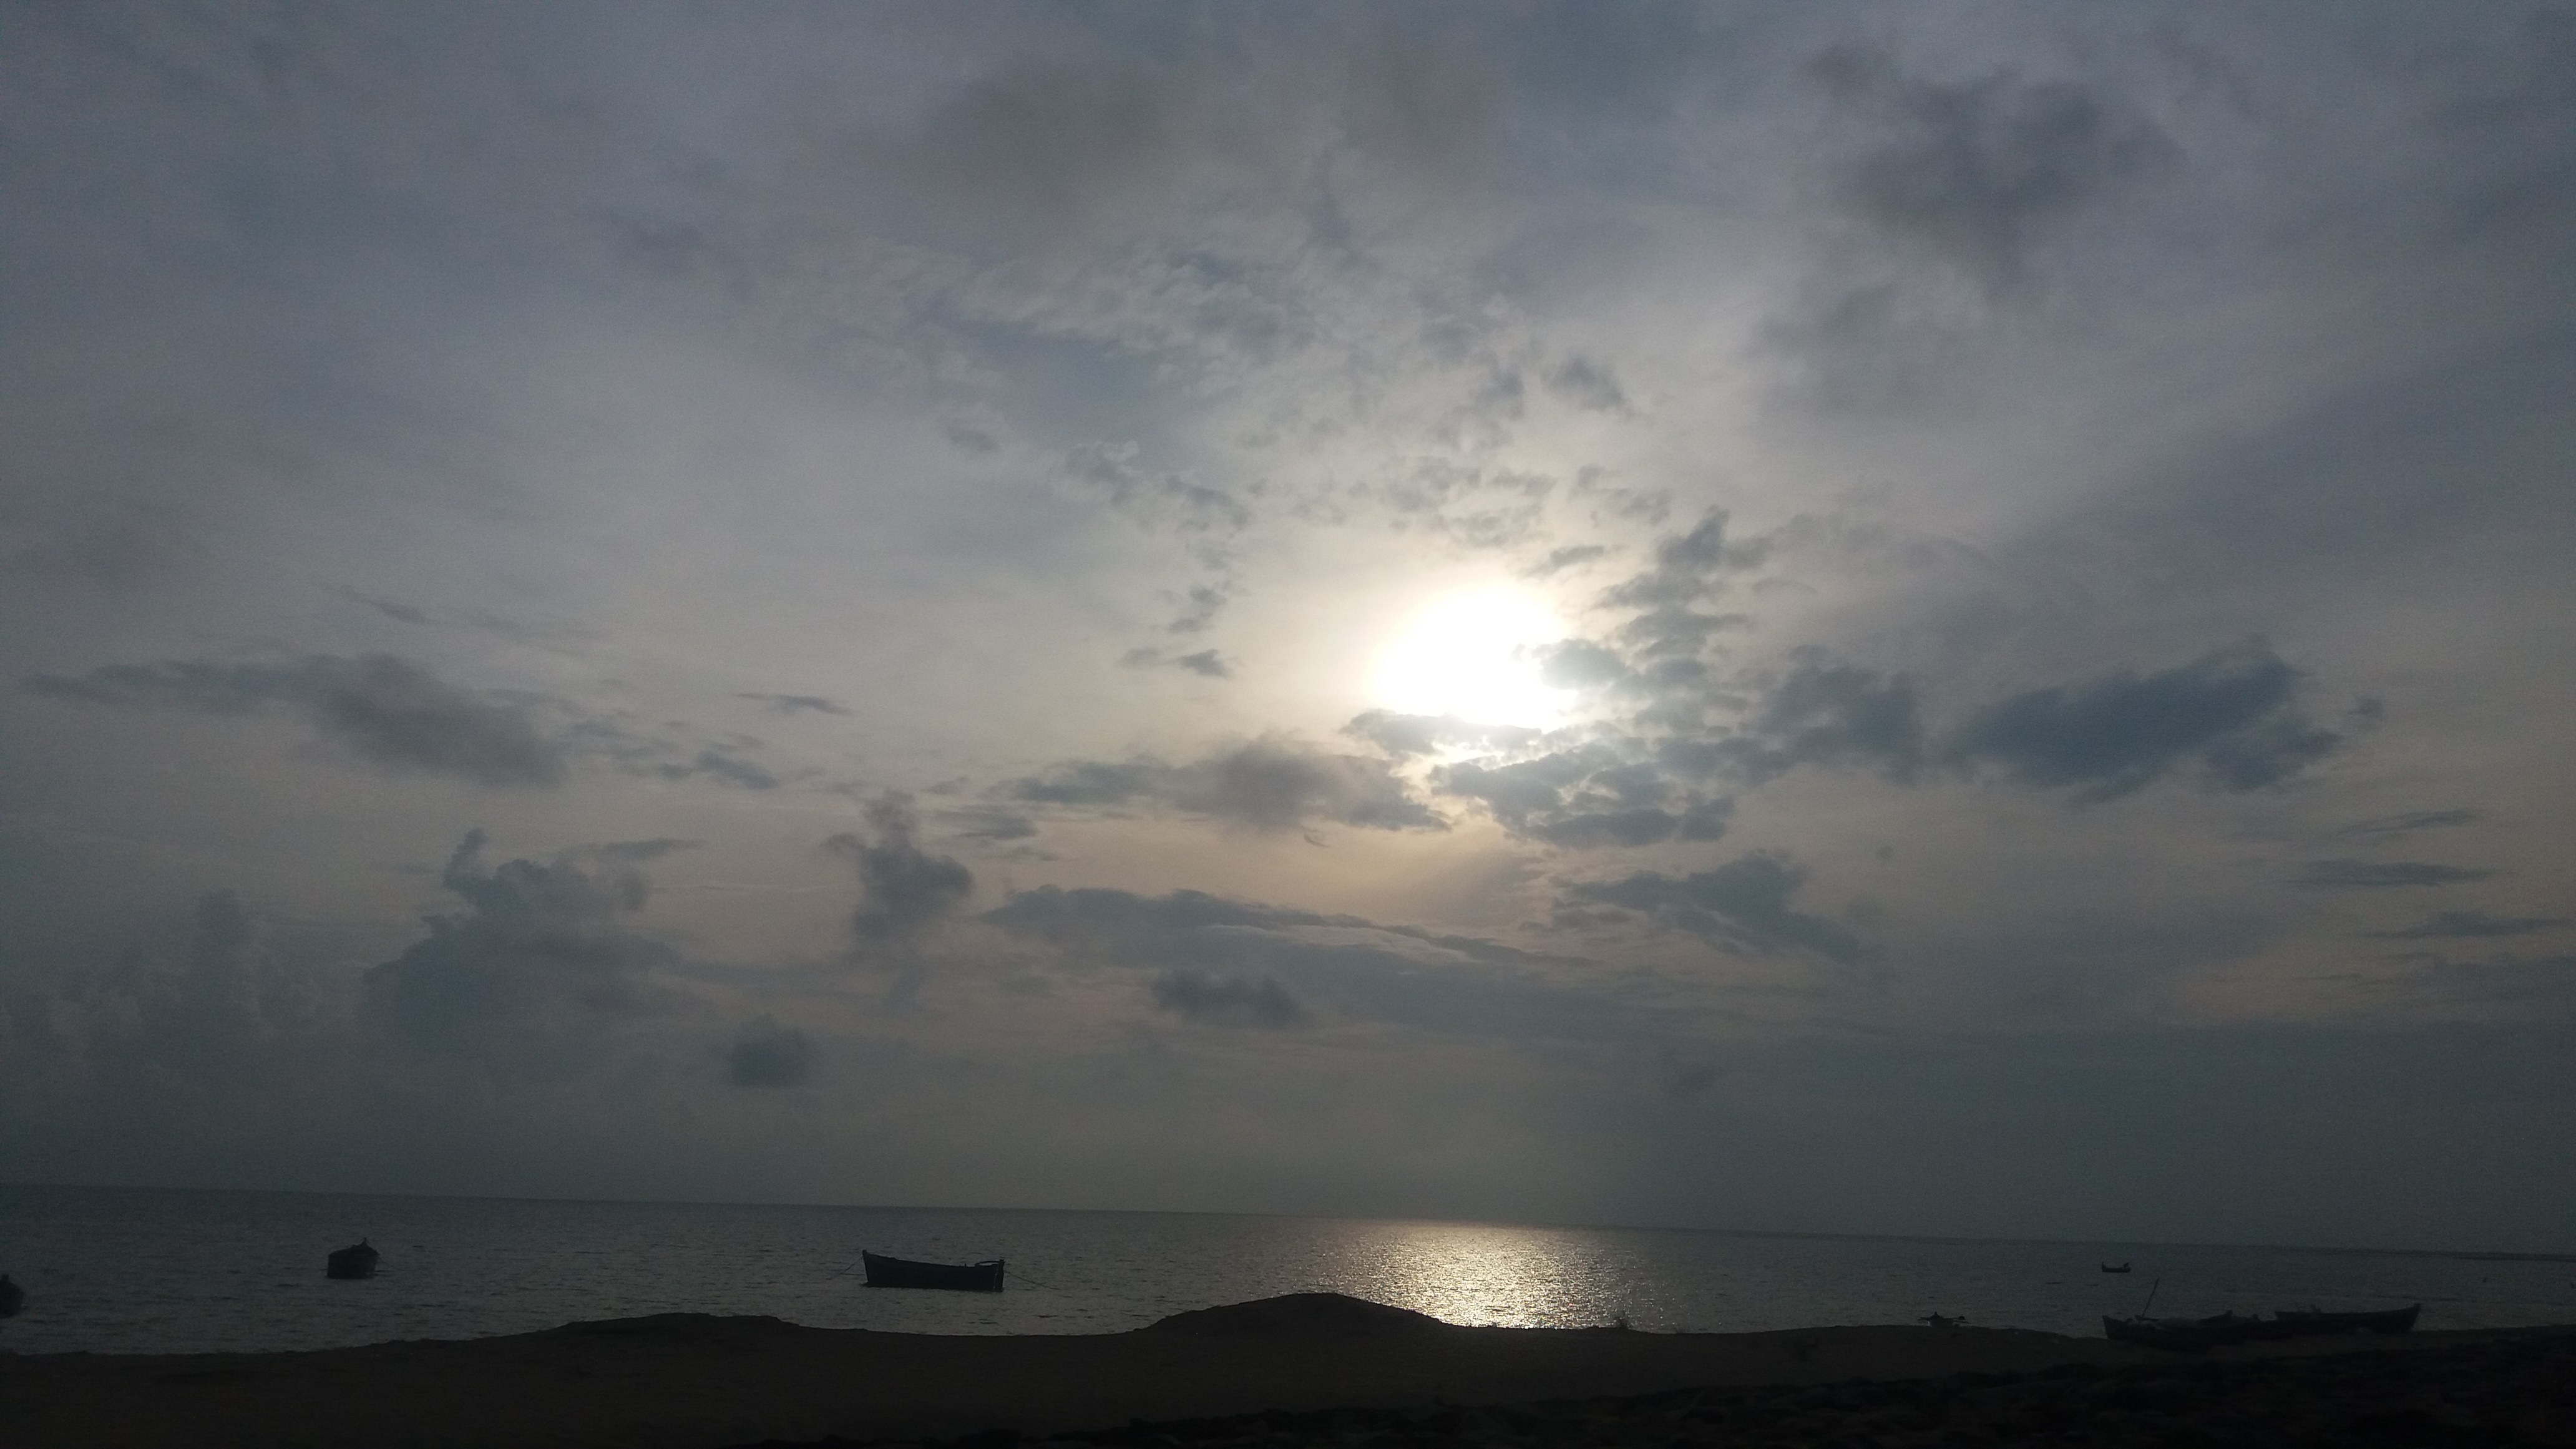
(689, 1381)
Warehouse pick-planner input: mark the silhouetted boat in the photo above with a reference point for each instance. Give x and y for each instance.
(2194, 1335)
(2121, 1268)
(885, 1272)
(12, 1297)
(355, 1261)
(2387, 1320)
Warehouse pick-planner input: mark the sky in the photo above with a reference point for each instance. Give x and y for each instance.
(1944, 619)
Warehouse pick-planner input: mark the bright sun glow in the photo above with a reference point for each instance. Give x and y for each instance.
(1472, 655)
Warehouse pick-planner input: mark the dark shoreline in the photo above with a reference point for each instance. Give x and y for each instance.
(1310, 1368)
(2511, 1393)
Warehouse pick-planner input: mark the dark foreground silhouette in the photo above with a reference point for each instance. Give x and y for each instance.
(2515, 1392)
(693, 1381)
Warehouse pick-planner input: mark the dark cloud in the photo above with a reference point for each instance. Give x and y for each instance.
(2469, 925)
(2374, 875)
(904, 892)
(1587, 797)
(988, 822)
(1979, 172)
(1237, 962)
(1424, 734)
(2411, 821)
(723, 768)
(537, 959)
(1268, 784)
(769, 1055)
(1588, 385)
(793, 703)
(1686, 569)
(386, 710)
(1742, 905)
(1226, 1001)
(1823, 713)
(1206, 664)
(2233, 709)
(1560, 559)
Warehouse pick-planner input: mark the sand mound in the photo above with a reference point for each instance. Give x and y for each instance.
(1296, 1313)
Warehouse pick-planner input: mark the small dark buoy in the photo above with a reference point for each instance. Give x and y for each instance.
(358, 1261)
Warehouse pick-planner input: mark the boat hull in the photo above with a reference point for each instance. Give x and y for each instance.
(357, 1262)
(885, 1272)
(2388, 1320)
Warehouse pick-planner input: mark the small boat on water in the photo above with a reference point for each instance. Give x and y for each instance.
(2121, 1268)
(885, 1272)
(2387, 1320)
(355, 1261)
(12, 1297)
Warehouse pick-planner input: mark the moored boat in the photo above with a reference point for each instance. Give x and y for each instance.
(885, 1272)
(2109, 1268)
(2386, 1320)
(12, 1297)
(2194, 1335)
(355, 1261)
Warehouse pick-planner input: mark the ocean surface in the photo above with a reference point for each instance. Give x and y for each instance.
(125, 1270)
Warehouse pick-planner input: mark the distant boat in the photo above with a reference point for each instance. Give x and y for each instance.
(2387, 1320)
(12, 1297)
(355, 1261)
(2108, 1268)
(885, 1272)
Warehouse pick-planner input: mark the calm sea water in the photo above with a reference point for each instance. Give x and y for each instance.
(150, 1271)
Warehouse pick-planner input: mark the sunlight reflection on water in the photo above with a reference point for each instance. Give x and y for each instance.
(140, 1271)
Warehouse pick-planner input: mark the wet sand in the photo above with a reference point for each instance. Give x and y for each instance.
(690, 1381)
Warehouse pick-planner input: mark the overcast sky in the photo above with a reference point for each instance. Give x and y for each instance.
(1931, 618)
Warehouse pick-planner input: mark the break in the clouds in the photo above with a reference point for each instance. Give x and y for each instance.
(1540, 612)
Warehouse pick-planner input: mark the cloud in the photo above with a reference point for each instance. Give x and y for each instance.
(384, 709)
(1743, 904)
(1274, 783)
(2376, 875)
(988, 822)
(769, 1055)
(1977, 173)
(723, 768)
(1425, 734)
(1227, 1001)
(2233, 709)
(2412, 821)
(1216, 960)
(537, 959)
(1586, 797)
(793, 703)
(1206, 664)
(2467, 925)
(904, 892)
(1825, 713)
(1588, 385)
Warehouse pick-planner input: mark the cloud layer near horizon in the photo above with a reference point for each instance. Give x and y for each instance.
(708, 602)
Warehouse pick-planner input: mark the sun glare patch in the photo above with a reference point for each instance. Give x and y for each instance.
(1474, 656)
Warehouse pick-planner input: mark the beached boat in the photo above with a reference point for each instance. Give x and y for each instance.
(2388, 1320)
(355, 1261)
(12, 1297)
(885, 1272)
(2194, 1335)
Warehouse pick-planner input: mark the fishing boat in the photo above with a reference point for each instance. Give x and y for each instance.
(2388, 1320)
(12, 1297)
(2118, 1268)
(2195, 1335)
(355, 1261)
(885, 1272)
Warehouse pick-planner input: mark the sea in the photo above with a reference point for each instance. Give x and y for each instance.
(134, 1270)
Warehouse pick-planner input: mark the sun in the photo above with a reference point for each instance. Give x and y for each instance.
(1474, 656)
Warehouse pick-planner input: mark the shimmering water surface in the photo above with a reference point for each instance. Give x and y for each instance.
(151, 1271)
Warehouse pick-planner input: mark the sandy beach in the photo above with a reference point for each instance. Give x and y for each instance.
(688, 1381)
